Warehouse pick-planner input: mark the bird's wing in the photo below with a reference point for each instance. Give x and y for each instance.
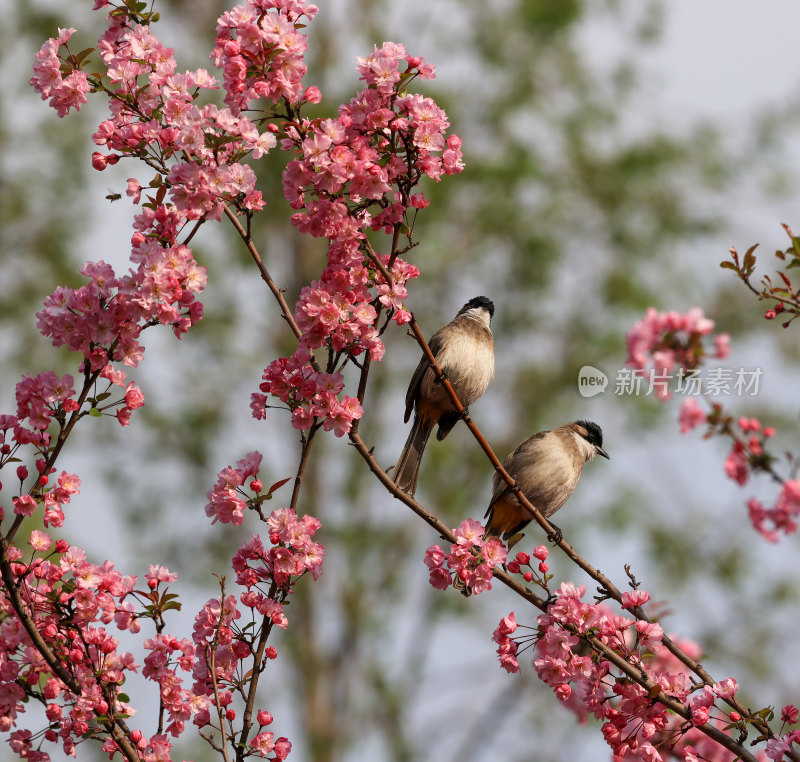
(435, 343)
(499, 487)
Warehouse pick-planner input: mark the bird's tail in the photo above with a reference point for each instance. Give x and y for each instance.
(407, 469)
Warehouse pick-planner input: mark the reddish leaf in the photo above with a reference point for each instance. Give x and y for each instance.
(749, 258)
(277, 485)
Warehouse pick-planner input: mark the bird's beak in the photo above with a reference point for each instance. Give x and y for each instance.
(601, 451)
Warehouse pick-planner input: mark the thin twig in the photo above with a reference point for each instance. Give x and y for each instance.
(258, 668)
(301, 467)
(265, 276)
(212, 667)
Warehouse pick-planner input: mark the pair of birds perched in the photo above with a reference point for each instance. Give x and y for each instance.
(546, 466)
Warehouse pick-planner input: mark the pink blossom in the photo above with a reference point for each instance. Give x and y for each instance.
(722, 342)
(160, 573)
(563, 691)
(508, 624)
(469, 532)
(133, 397)
(634, 599)
(264, 717)
(789, 714)
(691, 415)
(282, 748)
(263, 743)
(663, 340)
(24, 505)
(737, 464)
(726, 688)
(434, 557)
(439, 579)
(541, 552)
(650, 633)
(40, 541)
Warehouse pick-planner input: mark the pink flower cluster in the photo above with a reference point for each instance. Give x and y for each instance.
(523, 560)
(747, 454)
(781, 516)
(227, 501)
(634, 726)
(261, 53)
(48, 80)
(336, 311)
(293, 553)
(349, 175)
(69, 600)
(780, 747)
(309, 394)
(39, 398)
(668, 340)
(267, 576)
(691, 415)
(164, 120)
(352, 173)
(53, 497)
(380, 141)
(104, 319)
(471, 558)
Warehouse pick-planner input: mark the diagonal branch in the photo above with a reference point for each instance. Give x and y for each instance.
(247, 239)
(606, 584)
(603, 650)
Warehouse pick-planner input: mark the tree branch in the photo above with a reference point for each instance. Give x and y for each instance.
(603, 650)
(115, 727)
(265, 276)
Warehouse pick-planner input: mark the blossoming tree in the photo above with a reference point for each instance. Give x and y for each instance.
(352, 180)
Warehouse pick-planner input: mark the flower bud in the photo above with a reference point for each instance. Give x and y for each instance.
(312, 94)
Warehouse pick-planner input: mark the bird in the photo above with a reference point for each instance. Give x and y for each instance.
(464, 350)
(546, 466)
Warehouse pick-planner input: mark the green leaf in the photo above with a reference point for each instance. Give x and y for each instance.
(95, 413)
(171, 605)
(102, 396)
(79, 57)
(726, 265)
